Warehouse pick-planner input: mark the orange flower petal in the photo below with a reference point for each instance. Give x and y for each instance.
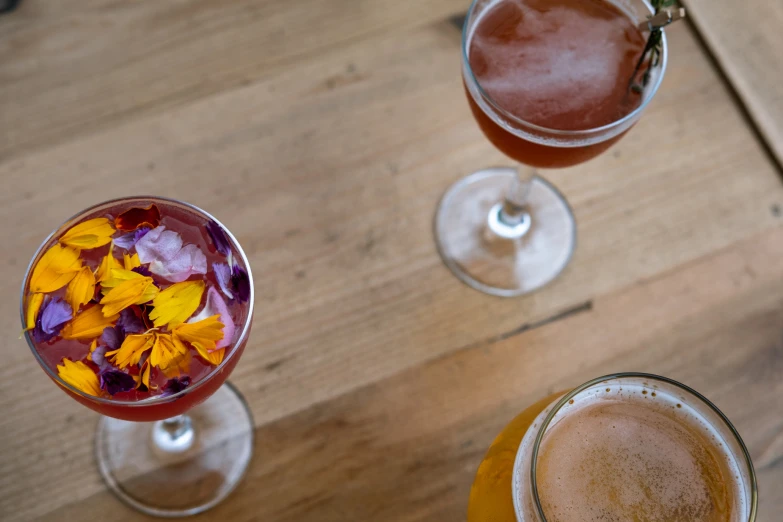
(176, 303)
(131, 262)
(133, 291)
(167, 352)
(89, 234)
(88, 324)
(33, 306)
(93, 346)
(203, 335)
(80, 376)
(133, 347)
(108, 263)
(135, 218)
(81, 289)
(55, 269)
(143, 378)
(214, 357)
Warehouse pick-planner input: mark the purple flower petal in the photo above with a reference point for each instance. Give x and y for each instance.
(240, 284)
(143, 270)
(98, 355)
(54, 313)
(125, 241)
(115, 381)
(189, 260)
(219, 238)
(158, 244)
(130, 323)
(223, 276)
(175, 385)
(112, 337)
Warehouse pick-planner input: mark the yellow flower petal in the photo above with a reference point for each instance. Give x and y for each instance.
(203, 335)
(108, 263)
(213, 358)
(81, 289)
(133, 347)
(80, 376)
(144, 376)
(181, 365)
(133, 291)
(116, 277)
(131, 262)
(88, 324)
(33, 305)
(90, 234)
(167, 351)
(55, 269)
(176, 303)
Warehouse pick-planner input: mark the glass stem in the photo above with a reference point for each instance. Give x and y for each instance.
(173, 436)
(510, 219)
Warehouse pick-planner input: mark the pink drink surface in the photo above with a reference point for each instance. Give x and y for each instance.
(191, 228)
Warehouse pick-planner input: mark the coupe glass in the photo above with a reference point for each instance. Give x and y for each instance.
(507, 231)
(176, 455)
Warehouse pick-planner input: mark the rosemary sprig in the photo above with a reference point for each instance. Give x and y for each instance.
(654, 48)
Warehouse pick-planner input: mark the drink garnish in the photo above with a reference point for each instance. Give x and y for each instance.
(138, 312)
(651, 55)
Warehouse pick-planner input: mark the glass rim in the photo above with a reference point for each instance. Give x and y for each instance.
(579, 133)
(752, 502)
(155, 400)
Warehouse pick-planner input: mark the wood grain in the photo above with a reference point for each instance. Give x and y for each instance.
(326, 157)
(746, 40)
(406, 448)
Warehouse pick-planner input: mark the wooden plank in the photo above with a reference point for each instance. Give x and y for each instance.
(70, 67)
(746, 40)
(378, 454)
(329, 173)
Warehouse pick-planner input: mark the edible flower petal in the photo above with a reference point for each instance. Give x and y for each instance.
(240, 283)
(167, 351)
(137, 217)
(55, 269)
(223, 276)
(80, 376)
(143, 380)
(131, 350)
(53, 314)
(81, 289)
(127, 241)
(98, 353)
(216, 305)
(112, 337)
(131, 262)
(108, 263)
(92, 233)
(115, 381)
(117, 276)
(176, 303)
(88, 324)
(219, 238)
(33, 305)
(133, 291)
(189, 260)
(158, 244)
(130, 322)
(175, 385)
(203, 334)
(214, 357)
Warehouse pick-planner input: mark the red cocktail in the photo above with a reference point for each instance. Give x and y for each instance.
(139, 308)
(551, 83)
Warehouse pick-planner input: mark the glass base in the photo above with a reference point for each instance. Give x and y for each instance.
(493, 264)
(169, 472)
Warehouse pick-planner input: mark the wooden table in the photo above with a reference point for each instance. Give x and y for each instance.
(323, 132)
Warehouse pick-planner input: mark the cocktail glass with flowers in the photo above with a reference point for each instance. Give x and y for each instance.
(139, 308)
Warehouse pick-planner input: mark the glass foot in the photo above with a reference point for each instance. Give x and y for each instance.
(489, 262)
(181, 466)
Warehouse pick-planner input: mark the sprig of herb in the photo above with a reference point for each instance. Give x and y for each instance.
(653, 48)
